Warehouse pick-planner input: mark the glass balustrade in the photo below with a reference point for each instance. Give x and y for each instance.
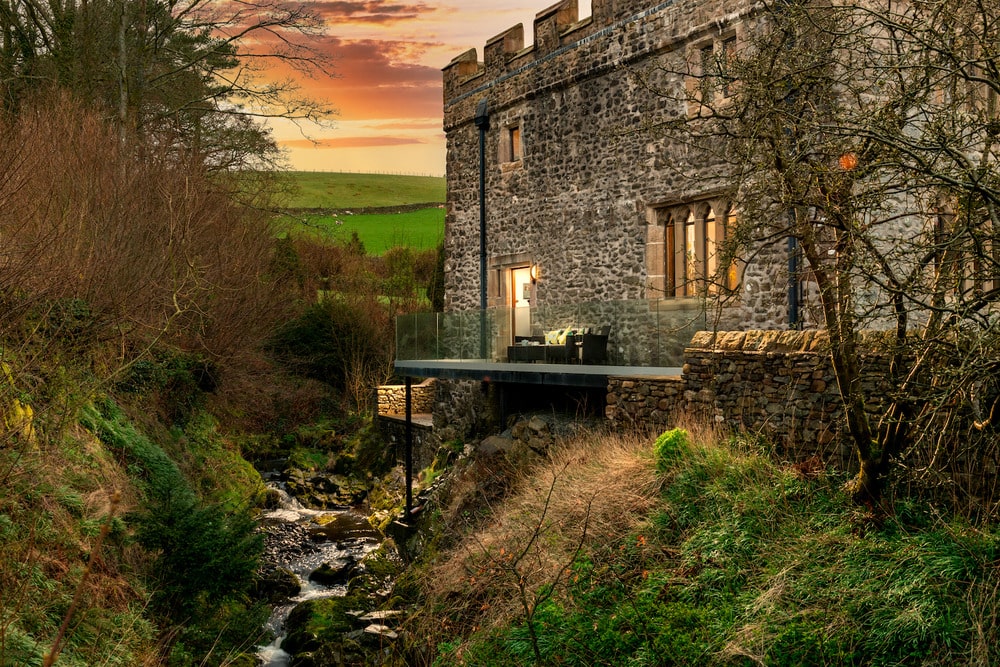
(650, 333)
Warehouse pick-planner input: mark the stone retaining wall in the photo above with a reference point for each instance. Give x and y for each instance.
(392, 398)
(425, 440)
(776, 383)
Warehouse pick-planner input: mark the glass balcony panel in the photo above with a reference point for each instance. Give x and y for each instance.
(650, 333)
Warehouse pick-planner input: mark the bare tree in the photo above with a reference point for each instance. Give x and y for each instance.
(867, 133)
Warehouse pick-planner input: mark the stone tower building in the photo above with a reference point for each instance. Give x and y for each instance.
(577, 187)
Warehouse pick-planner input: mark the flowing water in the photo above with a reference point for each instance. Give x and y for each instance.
(300, 539)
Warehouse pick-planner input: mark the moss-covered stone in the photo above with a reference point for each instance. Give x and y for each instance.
(274, 584)
(314, 626)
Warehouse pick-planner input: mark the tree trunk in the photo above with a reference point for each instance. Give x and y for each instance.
(867, 486)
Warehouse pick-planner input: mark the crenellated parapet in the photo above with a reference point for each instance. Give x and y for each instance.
(553, 27)
(617, 32)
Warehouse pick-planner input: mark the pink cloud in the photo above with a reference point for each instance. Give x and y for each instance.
(371, 11)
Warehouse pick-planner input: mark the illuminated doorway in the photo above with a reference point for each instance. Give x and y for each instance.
(520, 294)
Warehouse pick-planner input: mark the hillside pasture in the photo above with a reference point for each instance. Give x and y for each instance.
(421, 229)
(325, 190)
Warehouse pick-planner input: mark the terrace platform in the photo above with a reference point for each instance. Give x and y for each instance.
(562, 375)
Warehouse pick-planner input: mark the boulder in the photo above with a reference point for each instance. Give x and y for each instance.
(275, 584)
(314, 623)
(538, 425)
(336, 573)
(495, 444)
(272, 499)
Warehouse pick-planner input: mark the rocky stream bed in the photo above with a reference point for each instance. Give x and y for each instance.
(329, 574)
(326, 570)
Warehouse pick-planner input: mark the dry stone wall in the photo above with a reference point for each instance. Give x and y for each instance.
(392, 398)
(776, 383)
(780, 385)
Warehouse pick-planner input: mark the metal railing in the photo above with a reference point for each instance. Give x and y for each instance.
(651, 333)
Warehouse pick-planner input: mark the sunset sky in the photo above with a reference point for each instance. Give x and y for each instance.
(388, 56)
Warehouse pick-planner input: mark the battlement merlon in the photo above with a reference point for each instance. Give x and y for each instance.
(502, 49)
(458, 71)
(551, 22)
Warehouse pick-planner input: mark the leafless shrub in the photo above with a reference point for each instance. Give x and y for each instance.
(594, 490)
(106, 241)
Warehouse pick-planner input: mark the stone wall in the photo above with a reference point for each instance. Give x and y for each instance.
(581, 200)
(776, 383)
(780, 385)
(465, 408)
(425, 440)
(392, 398)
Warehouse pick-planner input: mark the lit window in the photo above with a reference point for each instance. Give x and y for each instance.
(688, 254)
(515, 143)
(732, 278)
(691, 255)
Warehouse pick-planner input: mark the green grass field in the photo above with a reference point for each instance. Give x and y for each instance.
(347, 193)
(420, 230)
(312, 189)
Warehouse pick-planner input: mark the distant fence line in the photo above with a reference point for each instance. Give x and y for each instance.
(368, 172)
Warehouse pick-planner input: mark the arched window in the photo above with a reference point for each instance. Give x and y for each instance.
(686, 250)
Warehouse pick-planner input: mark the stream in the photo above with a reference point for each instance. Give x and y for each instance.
(301, 540)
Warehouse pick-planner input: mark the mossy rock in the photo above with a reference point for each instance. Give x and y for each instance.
(344, 651)
(333, 573)
(384, 561)
(271, 500)
(275, 584)
(377, 573)
(315, 624)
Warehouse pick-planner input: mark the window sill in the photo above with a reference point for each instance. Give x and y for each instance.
(508, 167)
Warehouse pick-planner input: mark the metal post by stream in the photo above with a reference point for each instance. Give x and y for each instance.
(409, 447)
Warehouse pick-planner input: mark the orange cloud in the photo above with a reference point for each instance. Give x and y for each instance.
(351, 142)
(375, 79)
(428, 125)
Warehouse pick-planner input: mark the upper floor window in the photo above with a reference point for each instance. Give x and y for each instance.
(711, 80)
(511, 145)
(514, 137)
(725, 66)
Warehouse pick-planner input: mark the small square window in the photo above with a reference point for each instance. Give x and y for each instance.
(726, 73)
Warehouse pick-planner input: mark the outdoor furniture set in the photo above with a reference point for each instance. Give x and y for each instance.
(562, 346)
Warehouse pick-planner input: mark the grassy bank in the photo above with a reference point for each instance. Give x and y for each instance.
(381, 211)
(702, 551)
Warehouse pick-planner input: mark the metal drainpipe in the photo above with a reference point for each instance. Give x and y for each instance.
(793, 284)
(483, 123)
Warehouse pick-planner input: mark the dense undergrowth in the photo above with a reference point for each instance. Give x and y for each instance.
(140, 292)
(718, 556)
